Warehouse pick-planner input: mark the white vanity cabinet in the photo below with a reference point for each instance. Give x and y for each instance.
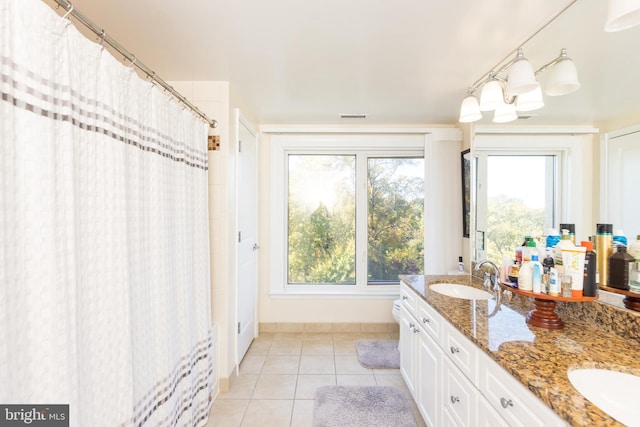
(453, 382)
(512, 400)
(421, 355)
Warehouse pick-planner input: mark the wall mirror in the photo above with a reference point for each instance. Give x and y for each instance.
(578, 169)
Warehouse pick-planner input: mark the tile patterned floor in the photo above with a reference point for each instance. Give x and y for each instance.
(281, 372)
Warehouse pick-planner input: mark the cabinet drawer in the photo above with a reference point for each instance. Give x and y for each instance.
(429, 319)
(512, 400)
(459, 396)
(461, 351)
(409, 299)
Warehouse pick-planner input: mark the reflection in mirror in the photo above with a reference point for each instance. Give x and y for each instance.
(594, 178)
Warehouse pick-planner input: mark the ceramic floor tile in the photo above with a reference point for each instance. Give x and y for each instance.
(308, 384)
(344, 347)
(350, 365)
(275, 387)
(252, 364)
(227, 413)
(359, 380)
(241, 388)
(275, 364)
(302, 413)
(259, 347)
(286, 347)
(280, 367)
(317, 365)
(386, 371)
(394, 381)
(316, 347)
(271, 413)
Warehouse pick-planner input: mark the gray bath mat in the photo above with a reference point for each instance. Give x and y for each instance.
(352, 406)
(378, 354)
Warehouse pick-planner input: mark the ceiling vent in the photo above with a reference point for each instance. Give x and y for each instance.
(353, 116)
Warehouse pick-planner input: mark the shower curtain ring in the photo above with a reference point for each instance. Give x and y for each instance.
(133, 61)
(68, 11)
(102, 36)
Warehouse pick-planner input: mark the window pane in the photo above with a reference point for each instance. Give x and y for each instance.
(321, 227)
(518, 201)
(395, 223)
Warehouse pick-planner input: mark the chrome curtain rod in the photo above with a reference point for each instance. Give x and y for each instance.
(500, 66)
(104, 37)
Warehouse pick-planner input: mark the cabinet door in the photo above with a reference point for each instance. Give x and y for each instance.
(487, 416)
(407, 356)
(429, 381)
(459, 395)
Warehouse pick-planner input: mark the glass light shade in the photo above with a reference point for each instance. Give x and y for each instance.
(622, 14)
(530, 101)
(521, 78)
(563, 78)
(491, 96)
(470, 110)
(505, 113)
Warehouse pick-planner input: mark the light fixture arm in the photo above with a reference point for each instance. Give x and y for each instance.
(562, 57)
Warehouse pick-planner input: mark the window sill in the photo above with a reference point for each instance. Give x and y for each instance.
(334, 294)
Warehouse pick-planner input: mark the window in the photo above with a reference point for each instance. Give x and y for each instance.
(353, 212)
(520, 200)
(525, 185)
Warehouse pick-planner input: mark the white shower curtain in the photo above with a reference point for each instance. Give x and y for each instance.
(104, 251)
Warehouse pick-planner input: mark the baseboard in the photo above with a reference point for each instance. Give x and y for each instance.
(279, 327)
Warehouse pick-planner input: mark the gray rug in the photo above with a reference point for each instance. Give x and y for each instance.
(378, 354)
(352, 406)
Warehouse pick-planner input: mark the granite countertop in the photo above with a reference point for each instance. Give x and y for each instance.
(539, 358)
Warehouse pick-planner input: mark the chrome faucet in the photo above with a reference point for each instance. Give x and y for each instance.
(493, 283)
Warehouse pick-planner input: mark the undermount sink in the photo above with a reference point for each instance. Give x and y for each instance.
(615, 393)
(460, 291)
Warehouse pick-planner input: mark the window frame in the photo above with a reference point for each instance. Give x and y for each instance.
(363, 146)
(569, 153)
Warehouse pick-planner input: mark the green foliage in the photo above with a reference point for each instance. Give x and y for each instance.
(395, 225)
(509, 219)
(322, 241)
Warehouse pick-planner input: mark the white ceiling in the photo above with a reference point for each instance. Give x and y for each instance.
(398, 61)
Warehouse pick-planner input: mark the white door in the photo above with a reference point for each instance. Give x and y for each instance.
(247, 234)
(623, 176)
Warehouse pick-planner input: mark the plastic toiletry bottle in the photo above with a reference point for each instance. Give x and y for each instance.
(525, 276)
(526, 248)
(552, 238)
(619, 269)
(590, 287)
(604, 250)
(460, 265)
(572, 231)
(554, 284)
(536, 274)
(619, 239)
(532, 248)
(547, 262)
(634, 267)
(565, 243)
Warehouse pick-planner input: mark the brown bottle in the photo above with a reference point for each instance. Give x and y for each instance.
(619, 269)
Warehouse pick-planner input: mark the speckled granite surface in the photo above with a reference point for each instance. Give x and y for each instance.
(539, 358)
